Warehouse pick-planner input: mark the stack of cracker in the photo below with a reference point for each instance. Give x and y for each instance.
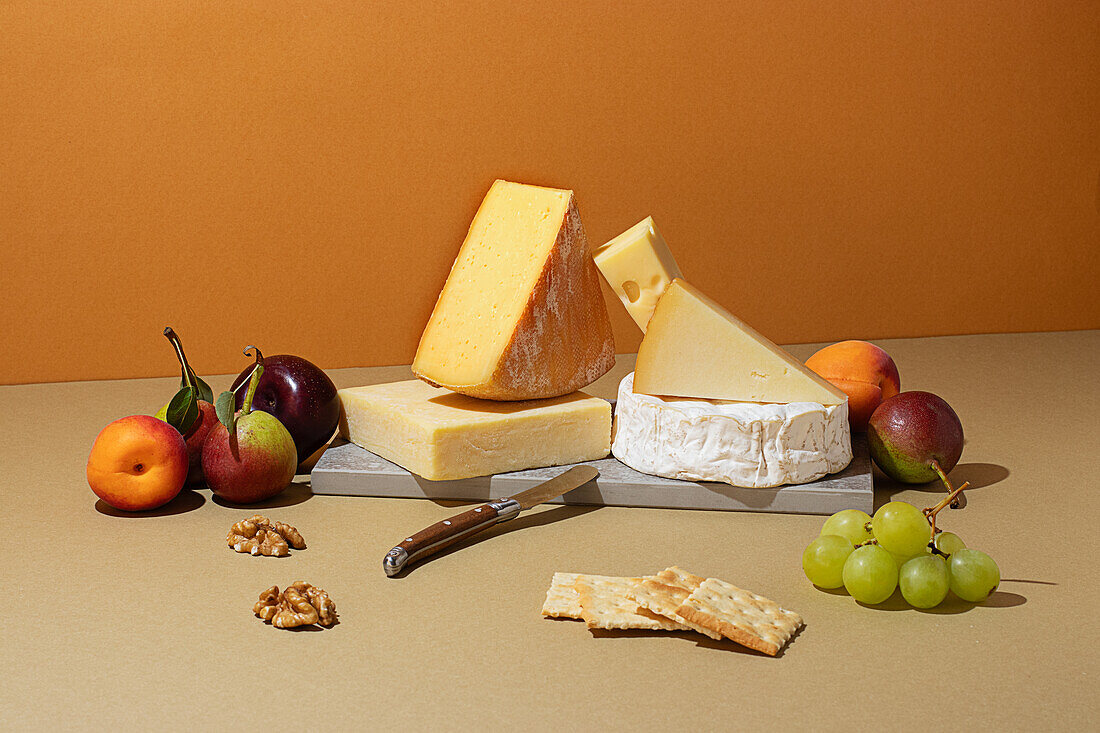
(672, 600)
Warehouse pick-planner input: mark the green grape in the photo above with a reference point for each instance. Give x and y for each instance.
(848, 523)
(948, 543)
(900, 560)
(974, 575)
(870, 574)
(823, 560)
(923, 581)
(901, 528)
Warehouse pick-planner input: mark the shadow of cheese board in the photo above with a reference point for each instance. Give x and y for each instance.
(346, 469)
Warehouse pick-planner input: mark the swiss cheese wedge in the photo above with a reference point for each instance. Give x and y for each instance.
(521, 315)
(696, 348)
(638, 266)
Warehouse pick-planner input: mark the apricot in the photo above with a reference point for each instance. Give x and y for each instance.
(863, 371)
(137, 463)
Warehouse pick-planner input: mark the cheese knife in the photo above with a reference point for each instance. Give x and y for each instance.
(443, 534)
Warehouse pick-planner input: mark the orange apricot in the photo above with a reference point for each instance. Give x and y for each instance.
(137, 463)
(863, 371)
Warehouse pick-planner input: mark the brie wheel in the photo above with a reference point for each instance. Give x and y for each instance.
(749, 444)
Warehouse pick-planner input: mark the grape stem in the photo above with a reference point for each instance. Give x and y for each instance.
(960, 500)
(955, 499)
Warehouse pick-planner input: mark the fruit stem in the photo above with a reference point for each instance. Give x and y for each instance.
(254, 381)
(178, 346)
(960, 500)
(951, 499)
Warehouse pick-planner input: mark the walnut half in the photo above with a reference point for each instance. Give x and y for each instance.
(301, 604)
(258, 535)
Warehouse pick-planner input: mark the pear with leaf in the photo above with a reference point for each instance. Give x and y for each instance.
(249, 455)
(191, 411)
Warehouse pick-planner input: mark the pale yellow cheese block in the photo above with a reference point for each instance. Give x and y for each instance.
(638, 266)
(696, 348)
(521, 315)
(441, 435)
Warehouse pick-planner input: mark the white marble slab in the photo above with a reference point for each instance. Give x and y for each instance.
(348, 470)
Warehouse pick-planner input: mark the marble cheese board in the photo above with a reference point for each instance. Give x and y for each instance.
(346, 469)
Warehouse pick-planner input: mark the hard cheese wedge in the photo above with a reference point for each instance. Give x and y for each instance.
(521, 315)
(696, 348)
(638, 266)
(441, 435)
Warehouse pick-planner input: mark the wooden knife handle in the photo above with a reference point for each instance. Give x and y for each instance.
(444, 534)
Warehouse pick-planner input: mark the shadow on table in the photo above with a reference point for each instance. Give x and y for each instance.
(520, 523)
(950, 606)
(980, 476)
(698, 639)
(185, 501)
(296, 493)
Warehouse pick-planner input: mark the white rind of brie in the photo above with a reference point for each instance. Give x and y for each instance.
(749, 444)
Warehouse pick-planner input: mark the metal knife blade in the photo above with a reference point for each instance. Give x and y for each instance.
(443, 534)
(555, 487)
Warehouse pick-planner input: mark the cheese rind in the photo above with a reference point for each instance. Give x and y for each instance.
(745, 444)
(696, 348)
(638, 266)
(441, 435)
(521, 315)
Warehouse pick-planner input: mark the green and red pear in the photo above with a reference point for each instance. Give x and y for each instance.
(195, 438)
(190, 411)
(915, 437)
(249, 455)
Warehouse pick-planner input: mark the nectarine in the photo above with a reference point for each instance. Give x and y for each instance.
(137, 463)
(863, 371)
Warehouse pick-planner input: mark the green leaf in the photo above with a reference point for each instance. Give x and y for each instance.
(183, 410)
(226, 410)
(203, 389)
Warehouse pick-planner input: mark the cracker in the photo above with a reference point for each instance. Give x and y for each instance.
(664, 594)
(606, 604)
(739, 615)
(562, 600)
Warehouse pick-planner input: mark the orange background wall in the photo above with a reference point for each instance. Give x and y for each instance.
(300, 175)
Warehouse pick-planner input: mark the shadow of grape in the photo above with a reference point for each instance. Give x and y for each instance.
(185, 501)
(833, 591)
(296, 493)
(951, 605)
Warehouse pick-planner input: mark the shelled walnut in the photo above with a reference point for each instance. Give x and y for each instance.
(258, 535)
(301, 604)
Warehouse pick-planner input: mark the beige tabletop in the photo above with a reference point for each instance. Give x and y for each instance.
(145, 621)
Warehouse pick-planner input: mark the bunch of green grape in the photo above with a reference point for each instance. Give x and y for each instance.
(871, 556)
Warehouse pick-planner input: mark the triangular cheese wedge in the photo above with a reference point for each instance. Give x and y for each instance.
(638, 266)
(696, 348)
(522, 315)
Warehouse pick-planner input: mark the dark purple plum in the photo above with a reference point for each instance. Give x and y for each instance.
(300, 395)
